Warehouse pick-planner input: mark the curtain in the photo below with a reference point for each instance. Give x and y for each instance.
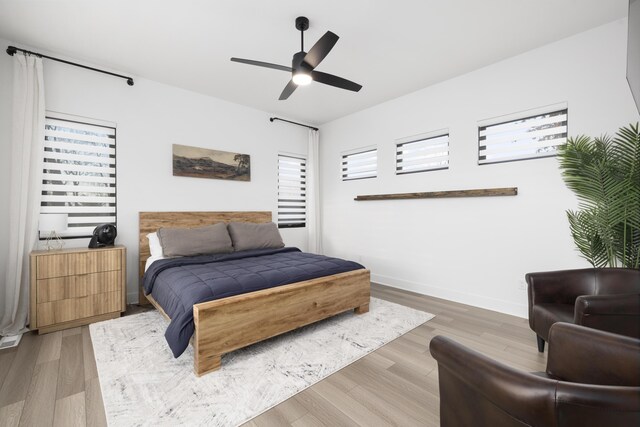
(27, 151)
(314, 231)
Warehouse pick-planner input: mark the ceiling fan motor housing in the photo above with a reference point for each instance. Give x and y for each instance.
(297, 63)
(302, 23)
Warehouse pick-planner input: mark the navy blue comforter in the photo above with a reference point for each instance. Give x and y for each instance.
(179, 283)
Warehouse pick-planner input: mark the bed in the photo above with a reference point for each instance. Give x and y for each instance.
(227, 324)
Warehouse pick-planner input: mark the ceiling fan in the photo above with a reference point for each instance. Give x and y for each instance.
(304, 63)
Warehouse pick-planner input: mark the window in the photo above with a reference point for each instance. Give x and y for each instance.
(360, 165)
(79, 174)
(292, 197)
(420, 154)
(524, 138)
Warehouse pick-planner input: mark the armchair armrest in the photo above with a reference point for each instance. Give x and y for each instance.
(597, 405)
(617, 304)
(619, 313)
(493, 393)
(589, 356)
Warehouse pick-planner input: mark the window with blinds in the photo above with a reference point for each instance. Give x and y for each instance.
(421, 155)
(79, 175)
(360, 165)
(526, 138)
(292, 197)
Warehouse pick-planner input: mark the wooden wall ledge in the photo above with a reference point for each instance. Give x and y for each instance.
(483, 192)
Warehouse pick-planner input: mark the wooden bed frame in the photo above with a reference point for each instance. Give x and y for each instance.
(227, 324)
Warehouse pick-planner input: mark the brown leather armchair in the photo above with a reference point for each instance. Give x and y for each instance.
(592, 379)
(601, 298)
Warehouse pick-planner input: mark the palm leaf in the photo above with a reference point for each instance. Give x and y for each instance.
(586, 237)
(604, 173)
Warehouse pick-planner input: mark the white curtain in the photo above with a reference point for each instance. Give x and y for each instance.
(314, 230)
(27, 147)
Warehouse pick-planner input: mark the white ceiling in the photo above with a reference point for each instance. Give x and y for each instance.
(391, 48)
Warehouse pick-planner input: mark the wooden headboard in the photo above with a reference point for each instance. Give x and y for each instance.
(152, 221)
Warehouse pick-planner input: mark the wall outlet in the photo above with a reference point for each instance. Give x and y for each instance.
(522, 285)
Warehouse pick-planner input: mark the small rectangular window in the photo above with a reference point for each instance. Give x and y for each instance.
(292, 197)
(525, 138)
(79, 175)
(360, 165)
(422, 154)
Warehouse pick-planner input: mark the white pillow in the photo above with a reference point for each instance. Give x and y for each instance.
(150, 261)
(154, 245)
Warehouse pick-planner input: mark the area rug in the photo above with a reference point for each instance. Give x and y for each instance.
(143, 385)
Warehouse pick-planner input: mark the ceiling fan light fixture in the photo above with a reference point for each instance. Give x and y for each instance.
(301, 78)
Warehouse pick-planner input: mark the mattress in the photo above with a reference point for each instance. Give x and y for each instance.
(176, 284)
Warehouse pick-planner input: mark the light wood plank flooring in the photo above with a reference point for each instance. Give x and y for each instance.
(51, 380)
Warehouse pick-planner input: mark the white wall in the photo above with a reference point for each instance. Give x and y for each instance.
(474, 251)
(150, 117)
(470, 250)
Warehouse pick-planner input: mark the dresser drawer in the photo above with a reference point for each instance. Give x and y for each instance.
(60, 288)
(55, 289)
(94, 305)
(60, 265)
(67, 310)
(98, 283)
(93, 262)
(56, 265)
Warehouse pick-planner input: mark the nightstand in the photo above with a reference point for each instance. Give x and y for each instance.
(73, 287)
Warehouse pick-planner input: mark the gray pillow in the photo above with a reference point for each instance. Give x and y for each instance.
(248, 235)
(212, 239)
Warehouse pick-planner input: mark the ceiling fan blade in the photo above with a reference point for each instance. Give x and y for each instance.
(262, 64)
(288, 90)
(331, 80)
(321, 49)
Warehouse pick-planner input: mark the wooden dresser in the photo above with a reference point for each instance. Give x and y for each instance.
(73, 287)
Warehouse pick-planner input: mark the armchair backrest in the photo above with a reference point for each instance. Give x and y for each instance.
(564, 286)
(561, 286)
(476, 390)
(583, 355)
(609, 281)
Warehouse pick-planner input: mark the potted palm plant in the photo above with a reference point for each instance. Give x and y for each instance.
(604, 173)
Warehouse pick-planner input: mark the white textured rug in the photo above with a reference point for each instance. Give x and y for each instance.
(143, 385)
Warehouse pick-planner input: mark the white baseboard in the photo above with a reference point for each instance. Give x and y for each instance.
(481, 301)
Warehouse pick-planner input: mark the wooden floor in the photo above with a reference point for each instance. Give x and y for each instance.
(52, 379)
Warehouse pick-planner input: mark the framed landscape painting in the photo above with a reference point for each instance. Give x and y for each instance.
(204, 163)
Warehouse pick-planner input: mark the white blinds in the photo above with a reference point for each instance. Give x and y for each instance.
(423, 155)
(292, 198)
(79, 176)
(360, 165)
(527, 138)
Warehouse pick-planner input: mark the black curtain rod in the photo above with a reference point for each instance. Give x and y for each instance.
(12, 50)
(271, 119)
